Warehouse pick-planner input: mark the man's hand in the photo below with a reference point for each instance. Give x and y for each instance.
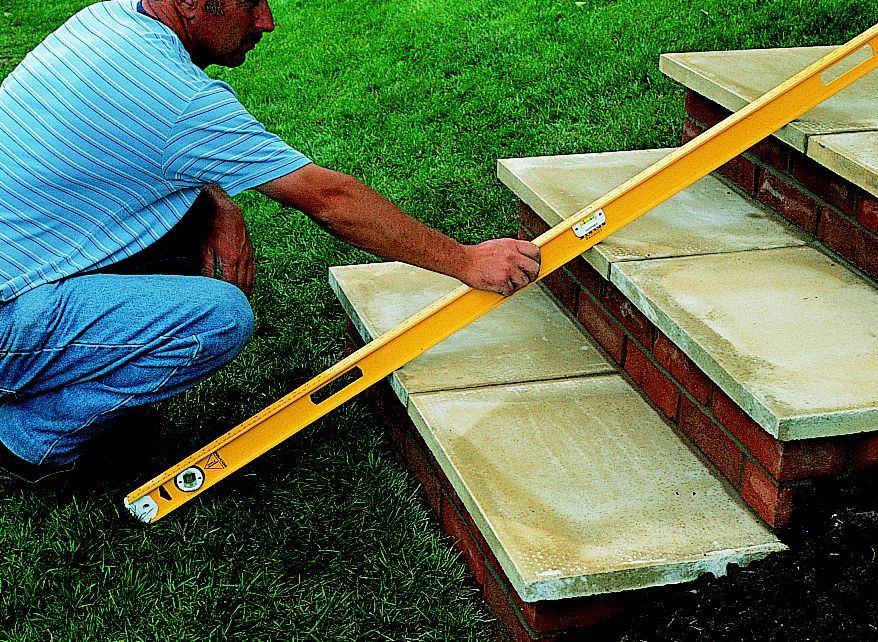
(500, 265)
(226, 246)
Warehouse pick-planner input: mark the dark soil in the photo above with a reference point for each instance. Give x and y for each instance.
(825, 588)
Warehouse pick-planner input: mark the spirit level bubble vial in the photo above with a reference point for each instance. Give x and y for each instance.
(590, 224)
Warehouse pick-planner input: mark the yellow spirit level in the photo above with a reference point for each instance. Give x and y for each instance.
(564, 242)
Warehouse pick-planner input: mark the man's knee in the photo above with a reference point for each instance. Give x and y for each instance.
(228, 320)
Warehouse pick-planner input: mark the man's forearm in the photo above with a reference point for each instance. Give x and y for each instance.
(350, 210)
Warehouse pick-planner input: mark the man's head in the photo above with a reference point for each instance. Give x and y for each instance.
(215, 32)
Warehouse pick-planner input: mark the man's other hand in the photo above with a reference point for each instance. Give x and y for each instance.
(500, 265)
(226, 247)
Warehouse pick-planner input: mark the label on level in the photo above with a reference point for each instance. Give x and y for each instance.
(590, 224)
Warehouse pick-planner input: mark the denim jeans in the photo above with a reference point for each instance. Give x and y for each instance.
(78, 353)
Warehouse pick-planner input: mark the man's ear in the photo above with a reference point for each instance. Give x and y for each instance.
(187, 8)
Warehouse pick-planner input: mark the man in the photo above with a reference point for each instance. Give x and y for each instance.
(117, 159)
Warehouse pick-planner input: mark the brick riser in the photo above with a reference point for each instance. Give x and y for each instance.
(766, 472)
(834, 211)
(548, 621)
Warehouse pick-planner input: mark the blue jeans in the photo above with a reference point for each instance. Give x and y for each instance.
(76, 354)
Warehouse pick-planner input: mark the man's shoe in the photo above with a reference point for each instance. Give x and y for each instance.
(11, 465)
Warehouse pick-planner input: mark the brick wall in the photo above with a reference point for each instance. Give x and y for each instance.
(833, 210)
(768, 473)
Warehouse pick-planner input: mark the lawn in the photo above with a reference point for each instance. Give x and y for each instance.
(327, 537)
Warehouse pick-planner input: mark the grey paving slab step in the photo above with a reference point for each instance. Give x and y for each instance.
(736, 78)
(576, 483)
(581, 489)
(853, 156)
(840, 133)
(787, 333)
(526, 338)
(704, 219)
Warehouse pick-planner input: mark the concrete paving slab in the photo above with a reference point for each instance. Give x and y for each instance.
(581, 489)
(787, 333)
(736, 78)
(853, 156)
(706, 218)
(528, 338)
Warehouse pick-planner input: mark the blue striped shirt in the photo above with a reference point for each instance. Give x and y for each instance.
(107, 134)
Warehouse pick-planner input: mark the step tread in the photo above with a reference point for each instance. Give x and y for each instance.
(838, 133)
(576, 483)
(714, 219)
(740, 313)
(787, 333)
(551, 346)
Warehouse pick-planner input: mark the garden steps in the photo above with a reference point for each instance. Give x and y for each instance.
(577, 486)
(742, 309)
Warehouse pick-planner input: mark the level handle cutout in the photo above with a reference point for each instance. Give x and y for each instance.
(336, 385)
(847, 64)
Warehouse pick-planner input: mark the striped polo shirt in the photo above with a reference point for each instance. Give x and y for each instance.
(107, 134)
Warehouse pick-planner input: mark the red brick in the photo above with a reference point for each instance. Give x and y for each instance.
(869, 258)
(601, 326)
(704, 110)
(647, 375)
(691, 130)
(580, 612)
(788, 201)
(755, 440)
(824, 183)
(508, 615)
(487, 554)
(785, 461)
(418, 462)
(811, 458)
(590, 278)
(741, 172)
(773, 152)
(865, 453)
(773, 503)
(557, 615)
(867, 212)
(531, 220)
(632, 318)
(711, 440)
(562, 285)
(463, 542)
(682, 368)
(388, 408)
(841, 235)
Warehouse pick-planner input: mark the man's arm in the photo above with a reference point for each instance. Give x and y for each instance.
(353, 212)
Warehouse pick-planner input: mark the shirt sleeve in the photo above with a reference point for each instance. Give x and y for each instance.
(216, 140)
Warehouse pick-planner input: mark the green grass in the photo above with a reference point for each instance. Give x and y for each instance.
(326, 537)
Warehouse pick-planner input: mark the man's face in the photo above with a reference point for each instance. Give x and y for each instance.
(225, 30)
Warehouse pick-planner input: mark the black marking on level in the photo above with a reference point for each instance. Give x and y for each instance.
(215, 462)
(164, 494)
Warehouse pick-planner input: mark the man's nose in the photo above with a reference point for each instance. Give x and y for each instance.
(264, 19)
